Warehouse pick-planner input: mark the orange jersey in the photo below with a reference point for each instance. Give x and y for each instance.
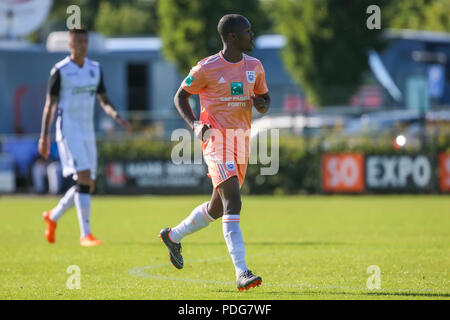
(225, 90)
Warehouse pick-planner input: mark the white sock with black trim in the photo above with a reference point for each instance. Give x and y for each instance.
(66, 202)
(198, 219)
(235, 242)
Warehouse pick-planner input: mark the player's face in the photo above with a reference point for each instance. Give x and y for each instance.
(79, 44)
(245, 36)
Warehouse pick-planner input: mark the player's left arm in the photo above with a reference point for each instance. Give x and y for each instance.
(108, 107)
(261, 102)
(261, 98)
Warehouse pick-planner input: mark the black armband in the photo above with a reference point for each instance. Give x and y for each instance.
(82, 188)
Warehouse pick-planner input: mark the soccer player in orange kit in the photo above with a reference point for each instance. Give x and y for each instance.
(229, 83)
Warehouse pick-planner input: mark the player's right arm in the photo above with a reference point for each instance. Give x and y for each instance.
(193, 83)
(47, 119)
(51, 103)
(181, 102)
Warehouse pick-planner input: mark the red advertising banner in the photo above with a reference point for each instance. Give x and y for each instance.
(343, 172)
(444, 171)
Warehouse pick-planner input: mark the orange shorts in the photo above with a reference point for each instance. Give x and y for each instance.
(224, 161)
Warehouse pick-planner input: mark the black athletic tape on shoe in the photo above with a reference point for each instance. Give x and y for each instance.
(82, 188)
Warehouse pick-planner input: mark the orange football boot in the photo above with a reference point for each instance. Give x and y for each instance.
(248, 280)
(51, 226)
(89, 241)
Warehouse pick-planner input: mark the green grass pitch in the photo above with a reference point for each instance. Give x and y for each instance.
(304, 247)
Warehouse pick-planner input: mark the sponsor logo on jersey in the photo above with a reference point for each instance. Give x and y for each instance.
(237, 88)
(250, 76)
(89, 89)
(189, 80)
(222, 80)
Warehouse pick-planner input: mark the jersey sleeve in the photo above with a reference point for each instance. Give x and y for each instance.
(195, 81)
(101, 85)
(260, 83)
(54, 82)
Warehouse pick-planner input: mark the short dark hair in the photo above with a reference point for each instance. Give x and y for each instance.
(81, 30)
(228, 23)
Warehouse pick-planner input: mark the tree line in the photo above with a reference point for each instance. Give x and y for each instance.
(327, 40)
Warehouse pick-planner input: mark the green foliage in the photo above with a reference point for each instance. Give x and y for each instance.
(89, 9)
(188, 28)
(431, 15)
(299, 158)
(58, 17)
(111, 18)
(298, 171)
(137, 148)
(328, 42)
(129, 18)
(327, 46)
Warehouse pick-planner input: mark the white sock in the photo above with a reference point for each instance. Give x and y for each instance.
(235, 243)
(198, 219)
(83, 205)
(66, 202)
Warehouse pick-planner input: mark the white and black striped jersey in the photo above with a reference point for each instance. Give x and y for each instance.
(76, 87)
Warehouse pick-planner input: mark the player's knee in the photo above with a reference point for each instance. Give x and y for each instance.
(83, 188)
(86, 182)
(91, 185)
(215, 210)
(84, 177)
(233, 206)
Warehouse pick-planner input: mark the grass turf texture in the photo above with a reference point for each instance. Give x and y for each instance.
(316, 247)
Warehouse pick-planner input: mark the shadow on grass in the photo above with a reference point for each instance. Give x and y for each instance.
(297, 243)
(291, 243)
(407, 293)
(157, 242)
(343, 293)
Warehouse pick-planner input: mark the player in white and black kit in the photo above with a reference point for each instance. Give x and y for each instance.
(74, 84)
